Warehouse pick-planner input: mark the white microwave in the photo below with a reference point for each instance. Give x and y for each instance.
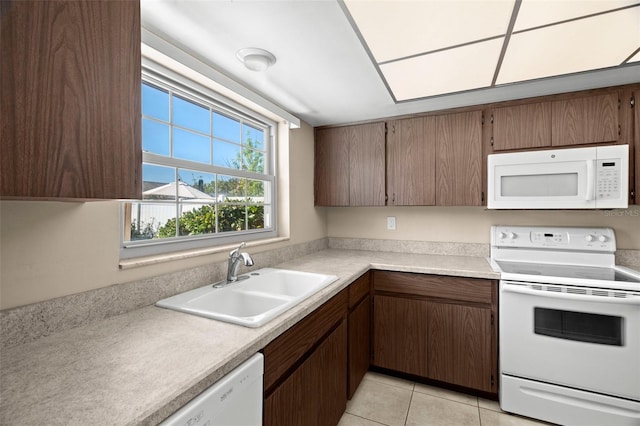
(577, 178)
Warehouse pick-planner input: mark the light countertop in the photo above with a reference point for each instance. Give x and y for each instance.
(139, 367)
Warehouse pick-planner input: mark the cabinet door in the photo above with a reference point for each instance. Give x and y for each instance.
(313, 394)
(331, 167)
(411, 166)
(459, 347)
(585, 120)
(70, 99)
(522, 126)
(359, 343)
(366, 164)
(400, 334)
(459, 159)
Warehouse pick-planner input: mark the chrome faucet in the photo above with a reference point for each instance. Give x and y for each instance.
(235, 257)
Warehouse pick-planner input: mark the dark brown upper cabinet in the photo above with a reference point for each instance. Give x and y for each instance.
(350, 165)
(587, 120)
(411, 162)
(459, 159)
(70, 99)
(331, 167)
(568, 122)
(522, 126)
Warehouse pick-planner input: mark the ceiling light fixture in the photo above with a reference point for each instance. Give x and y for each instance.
(255, 59)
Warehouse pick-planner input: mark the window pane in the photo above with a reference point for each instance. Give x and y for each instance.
(227, 155)
(226, 128)
(253, 137)
(191, 115)
(191, 146)
(232, 188)
(155, 102)
(197, 218)
(197, 185)
(155, 137)
(158, 182)
(253, 160)
(255, 191)
(232, 217)
(255, 217)
(150, 221)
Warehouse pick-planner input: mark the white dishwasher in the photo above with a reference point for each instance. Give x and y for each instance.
(234, 400)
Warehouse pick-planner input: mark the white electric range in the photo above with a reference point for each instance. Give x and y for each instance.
(569, 326)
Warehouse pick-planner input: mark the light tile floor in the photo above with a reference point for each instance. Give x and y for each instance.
(386, 400)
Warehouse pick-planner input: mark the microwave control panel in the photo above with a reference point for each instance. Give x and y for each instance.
(608, 179)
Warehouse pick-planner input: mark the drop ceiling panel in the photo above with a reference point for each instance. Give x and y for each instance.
(534, 13)
(397, 29)
(447, 71)
(594, 43)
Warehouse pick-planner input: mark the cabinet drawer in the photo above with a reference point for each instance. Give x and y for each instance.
(285, 351)
(438, 286)
(359, 289)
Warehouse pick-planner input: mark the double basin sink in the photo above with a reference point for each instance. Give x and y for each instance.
(254, 300)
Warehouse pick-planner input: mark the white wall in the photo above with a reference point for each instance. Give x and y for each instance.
(51, 249)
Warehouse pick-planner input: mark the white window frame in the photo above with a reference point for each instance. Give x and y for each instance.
(186, 88)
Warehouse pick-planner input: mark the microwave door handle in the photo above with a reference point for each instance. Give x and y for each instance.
(589, 196)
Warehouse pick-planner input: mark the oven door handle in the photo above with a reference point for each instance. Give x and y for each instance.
(629, 300)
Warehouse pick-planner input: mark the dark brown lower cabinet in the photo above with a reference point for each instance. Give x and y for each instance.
(305, 376)
(314, 394)
(459, 348)
(400, 334)
(436, 327)
(359, 343)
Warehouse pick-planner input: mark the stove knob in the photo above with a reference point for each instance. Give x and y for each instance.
(502, 235)
(512, 235)
(602, 238)
(589, 238)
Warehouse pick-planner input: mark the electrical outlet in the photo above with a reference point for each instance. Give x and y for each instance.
(391, 223)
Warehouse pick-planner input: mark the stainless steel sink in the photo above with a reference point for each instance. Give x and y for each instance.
(253, 301)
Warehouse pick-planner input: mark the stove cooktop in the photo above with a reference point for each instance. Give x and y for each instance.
(568, 271)
(573, 256)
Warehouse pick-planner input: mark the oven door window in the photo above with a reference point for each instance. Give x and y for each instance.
(579, 326)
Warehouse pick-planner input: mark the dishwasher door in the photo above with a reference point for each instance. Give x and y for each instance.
(234, 400)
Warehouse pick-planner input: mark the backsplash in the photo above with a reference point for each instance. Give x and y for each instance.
(414, 247)
(628, 258)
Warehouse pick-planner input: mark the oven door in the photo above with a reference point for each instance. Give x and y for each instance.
(568, 336)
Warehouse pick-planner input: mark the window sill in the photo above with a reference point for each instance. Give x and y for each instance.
(161, 258)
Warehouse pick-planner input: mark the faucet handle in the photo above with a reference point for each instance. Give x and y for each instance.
(236, 250)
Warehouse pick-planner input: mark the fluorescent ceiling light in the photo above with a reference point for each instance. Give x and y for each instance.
(428, 48)
(536, 13)
(587, 44)
(397, 29)
(452, 70)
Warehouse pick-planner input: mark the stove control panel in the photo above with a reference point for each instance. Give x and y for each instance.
(562, 238)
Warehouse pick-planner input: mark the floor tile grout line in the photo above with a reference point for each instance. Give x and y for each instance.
(367, 419)
(413, 385)
(449, 399)
(406, 417)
